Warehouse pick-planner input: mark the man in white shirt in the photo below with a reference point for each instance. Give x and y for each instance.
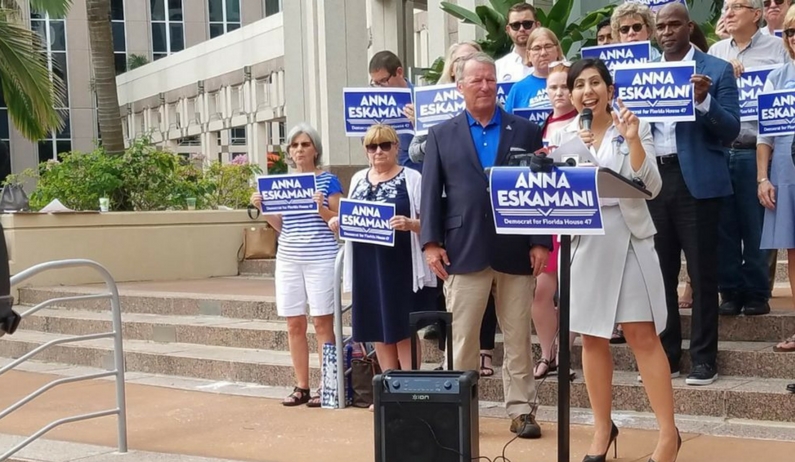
(521, 21)
(774, 14)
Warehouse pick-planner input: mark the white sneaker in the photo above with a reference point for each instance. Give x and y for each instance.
(674, 375)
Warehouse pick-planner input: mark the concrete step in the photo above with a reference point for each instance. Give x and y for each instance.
(729, 397)
(264, 267)
(782, 268)
(203, 330)
(236, 298)
(741, 359)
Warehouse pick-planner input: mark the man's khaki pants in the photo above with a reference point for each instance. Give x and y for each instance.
(467, 295)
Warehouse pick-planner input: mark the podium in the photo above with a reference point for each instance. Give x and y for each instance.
(611, 186)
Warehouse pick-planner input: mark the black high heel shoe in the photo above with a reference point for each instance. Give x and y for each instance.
(678, 446)
(613, 442)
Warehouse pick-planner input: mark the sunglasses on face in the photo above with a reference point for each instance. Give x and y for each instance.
(385, 146)
(767, 3)
(527, 25)
(637, 27)
(303, 144)
(788, 32)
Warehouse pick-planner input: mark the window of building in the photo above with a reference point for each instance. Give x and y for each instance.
(119, 35)
(168, 27)
(224, 16)
(272, 7)
(53, 35)
(237, 136)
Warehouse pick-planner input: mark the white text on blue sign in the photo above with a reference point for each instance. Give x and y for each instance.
(777, 113)
(619, 53)
(368, 106)
(749, 85)
(366, 222)
(658, 92)
(287, 194)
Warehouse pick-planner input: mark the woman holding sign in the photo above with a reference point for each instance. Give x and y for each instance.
(617, 275)
(387, 283)
(305, 261)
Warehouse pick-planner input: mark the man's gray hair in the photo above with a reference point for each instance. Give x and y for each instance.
(480, 57)
(758, 5)
(314, 136)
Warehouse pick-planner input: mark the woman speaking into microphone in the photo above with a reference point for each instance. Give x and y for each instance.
(617, 277)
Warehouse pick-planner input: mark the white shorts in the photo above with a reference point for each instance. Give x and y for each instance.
(299, 284)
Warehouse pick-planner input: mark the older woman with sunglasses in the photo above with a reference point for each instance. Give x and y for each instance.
(388, 283)
(633, 22)
(305, 260)
(776, 179)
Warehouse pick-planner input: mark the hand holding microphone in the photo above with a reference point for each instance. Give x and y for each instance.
(586, 121)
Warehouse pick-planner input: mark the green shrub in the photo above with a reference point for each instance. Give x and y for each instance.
(143, 178)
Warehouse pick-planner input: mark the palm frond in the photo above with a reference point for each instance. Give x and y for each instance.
(31, 93)
(55, 8)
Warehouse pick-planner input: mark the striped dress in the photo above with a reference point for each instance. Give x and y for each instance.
(306, 237)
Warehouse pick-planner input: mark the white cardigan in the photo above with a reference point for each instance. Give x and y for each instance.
(421, 272)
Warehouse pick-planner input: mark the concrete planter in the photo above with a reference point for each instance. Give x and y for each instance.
(134, 246)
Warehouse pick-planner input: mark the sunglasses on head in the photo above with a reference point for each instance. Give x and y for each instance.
(767, 3)
(555, 64)
(303, 144)
(527, 25)
(385, 146)
(788, 32)
(637, 27)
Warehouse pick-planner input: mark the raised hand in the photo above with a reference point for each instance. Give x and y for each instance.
(625, 121)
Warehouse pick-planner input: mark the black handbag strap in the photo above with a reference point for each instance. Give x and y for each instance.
(249, 208)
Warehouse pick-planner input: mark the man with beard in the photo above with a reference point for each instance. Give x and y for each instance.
(521, 21)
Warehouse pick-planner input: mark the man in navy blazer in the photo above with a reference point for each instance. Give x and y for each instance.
(460, 241)
(692, 161)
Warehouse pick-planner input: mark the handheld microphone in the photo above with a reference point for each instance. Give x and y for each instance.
(586, 118)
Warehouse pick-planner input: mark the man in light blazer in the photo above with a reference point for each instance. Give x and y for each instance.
(460, 241)
(695, 176)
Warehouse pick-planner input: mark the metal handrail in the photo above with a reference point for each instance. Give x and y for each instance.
(338, 336)
(118, 353)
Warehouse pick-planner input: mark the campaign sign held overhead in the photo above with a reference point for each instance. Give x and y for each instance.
(287, 194)
(503, 88)
(368, 106)
(657, 92)
(536, 115)
(565, 201)
(655, 5)
(435, 104)
(777, 113)
(619, 53)
(750, 84)
(367, 222)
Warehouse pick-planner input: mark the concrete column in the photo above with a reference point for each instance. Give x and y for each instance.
(210, 149)
(387, 26)
(324, 51)
(409, 60)
(257, 143)
(438, 35)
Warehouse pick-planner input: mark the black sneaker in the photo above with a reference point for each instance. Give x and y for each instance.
(525, 426)
(702, 374)
(756, 308)
(730, 307)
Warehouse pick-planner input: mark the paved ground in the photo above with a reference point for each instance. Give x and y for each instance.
(167, 420)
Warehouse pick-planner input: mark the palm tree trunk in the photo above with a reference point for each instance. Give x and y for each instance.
(101, 40)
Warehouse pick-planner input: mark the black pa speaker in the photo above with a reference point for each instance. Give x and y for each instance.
(426, 416)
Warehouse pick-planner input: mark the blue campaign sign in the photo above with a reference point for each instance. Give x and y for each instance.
(777, 113)
(368, 106)
(565, 201)
(436, 104)
(750, 84)
(503, 88)
(620, 53)
(536, 115)
(287, 194)
(655, 5)
(658, 92)
(367, 222)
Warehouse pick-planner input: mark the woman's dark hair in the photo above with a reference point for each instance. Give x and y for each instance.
(698, 38)
(591, 63)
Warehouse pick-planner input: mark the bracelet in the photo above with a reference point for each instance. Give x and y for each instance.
(761, 181)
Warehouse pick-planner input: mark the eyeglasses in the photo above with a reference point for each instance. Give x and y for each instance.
(736, 7)
(555, 64)
(548, 48)
(527, 25)
(383, 82)
(767, 3)
(303, 144)
(788, 32)
(637, 27)
(385, 146)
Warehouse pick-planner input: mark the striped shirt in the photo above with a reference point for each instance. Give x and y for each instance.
(306, 237)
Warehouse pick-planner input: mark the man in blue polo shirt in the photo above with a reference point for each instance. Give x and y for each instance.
(386, 71)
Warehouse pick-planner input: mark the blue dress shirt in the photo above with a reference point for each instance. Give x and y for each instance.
(486, 138)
